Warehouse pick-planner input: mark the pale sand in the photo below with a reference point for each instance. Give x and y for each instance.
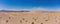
(29, 17)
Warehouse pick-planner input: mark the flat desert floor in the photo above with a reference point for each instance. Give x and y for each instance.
(30, 17)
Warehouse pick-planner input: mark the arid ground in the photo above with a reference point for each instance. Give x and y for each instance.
(30, 17)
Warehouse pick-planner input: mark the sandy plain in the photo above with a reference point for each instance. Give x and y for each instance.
(30, 17)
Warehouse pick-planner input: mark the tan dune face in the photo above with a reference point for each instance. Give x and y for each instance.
(29, 17)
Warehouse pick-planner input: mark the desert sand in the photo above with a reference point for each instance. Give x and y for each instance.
(34, 17)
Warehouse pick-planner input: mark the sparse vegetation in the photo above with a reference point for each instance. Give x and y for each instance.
(27, 17)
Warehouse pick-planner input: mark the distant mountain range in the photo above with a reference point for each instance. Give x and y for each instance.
(14, 11)
(23, 11)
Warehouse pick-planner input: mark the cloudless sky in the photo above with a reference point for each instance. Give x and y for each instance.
(28, 4)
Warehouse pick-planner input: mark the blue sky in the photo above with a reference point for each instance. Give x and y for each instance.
(30, 4)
